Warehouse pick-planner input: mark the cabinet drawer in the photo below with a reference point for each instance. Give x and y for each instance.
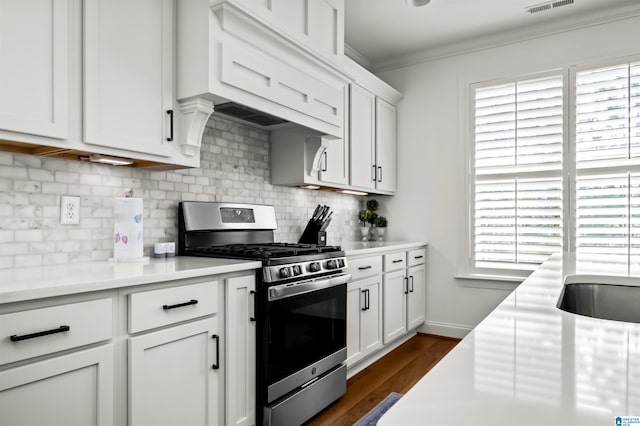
(365, 267)
(42, 331)
(416, 257)
(155, 308)
(395, 261)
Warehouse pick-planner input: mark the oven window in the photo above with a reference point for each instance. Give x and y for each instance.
(304, 329)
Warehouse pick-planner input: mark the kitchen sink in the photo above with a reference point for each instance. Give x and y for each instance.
(612, 298)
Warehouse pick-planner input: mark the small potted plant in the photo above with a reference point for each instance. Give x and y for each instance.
(365, 217)
(380, 223)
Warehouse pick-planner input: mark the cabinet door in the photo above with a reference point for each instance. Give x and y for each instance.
(416, 297)
(128, 74)
(34, 58)
(385, 145)
(362, 119)
(171, 376)
(372, 316)
(394, 317)
(240, 351)
(333, 162)
(70, 390)
(355, 306)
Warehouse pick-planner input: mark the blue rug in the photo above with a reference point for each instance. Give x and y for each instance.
(372, 417)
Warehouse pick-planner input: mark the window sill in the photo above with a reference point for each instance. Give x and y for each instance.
(492, 282)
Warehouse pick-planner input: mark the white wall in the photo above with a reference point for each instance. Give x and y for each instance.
(431, 134)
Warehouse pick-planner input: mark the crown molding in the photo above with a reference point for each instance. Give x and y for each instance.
(356, 56)
(504, 38)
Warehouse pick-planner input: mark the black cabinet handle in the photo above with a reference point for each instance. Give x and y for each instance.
(411, 276)
(406, 281)
(368, 299)
(253, 293)
(364, 293)
(170, 138)
(380, 174)
(61, 329)
(418, 257)
(374, 174)
(180, 305)
(398, 261)
(217, 364)
(362, 268)
(326, 163)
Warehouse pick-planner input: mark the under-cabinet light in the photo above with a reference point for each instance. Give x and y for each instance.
(310, 187)
(107, 159)
(352, 192)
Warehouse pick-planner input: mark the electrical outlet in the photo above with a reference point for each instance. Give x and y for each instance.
(69, 210)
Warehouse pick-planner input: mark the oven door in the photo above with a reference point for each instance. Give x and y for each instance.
(305, 332)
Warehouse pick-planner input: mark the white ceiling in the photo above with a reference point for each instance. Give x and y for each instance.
(386, 30)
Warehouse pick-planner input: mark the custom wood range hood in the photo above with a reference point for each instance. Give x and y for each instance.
(263, 63)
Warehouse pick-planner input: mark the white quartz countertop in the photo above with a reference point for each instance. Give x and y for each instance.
(355, 248)
(19, 284)
(531, 364)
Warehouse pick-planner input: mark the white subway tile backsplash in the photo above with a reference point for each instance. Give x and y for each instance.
(235, 167)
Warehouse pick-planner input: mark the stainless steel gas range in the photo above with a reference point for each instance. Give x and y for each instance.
(300, 306)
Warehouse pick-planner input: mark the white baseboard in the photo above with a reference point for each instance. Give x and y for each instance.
(364, 363)
(444, 329)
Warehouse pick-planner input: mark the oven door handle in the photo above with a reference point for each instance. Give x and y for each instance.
(283, 291)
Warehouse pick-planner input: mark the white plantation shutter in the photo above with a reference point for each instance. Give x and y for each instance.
(517, 197)
(607, 194)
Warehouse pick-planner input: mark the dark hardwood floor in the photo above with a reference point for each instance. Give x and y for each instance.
(397, 371)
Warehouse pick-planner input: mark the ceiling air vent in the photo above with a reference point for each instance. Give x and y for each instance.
(542, 7)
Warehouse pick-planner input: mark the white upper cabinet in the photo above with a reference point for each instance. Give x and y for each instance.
(34, 59)
(128, 75)
(385, 146)
(300, 157)
(362, 126)
(372, 115)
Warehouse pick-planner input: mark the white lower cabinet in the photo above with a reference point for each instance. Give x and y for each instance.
(416, 297)
(71, 390)
(395, 305)
(385, 301)
(41, 381)
(174, 376)
(364, 318)
(240, 351)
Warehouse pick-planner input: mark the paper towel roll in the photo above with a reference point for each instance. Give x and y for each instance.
(127, 229)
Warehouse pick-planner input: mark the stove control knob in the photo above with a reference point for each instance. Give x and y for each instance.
(314, 267)
(332, 264)
(340, 263)
(297, 270)
(284, 273)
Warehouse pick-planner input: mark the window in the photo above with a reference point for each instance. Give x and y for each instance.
(517, 174)
(607, 160)
(518, 208)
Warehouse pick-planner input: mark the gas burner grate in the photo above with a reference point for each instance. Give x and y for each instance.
(263, 251)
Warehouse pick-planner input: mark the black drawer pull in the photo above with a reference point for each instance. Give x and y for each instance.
(398, 261)
(170, 112)
(217, 364)
(362, 268)
(61, 329)
(418, 257)
(180, 305)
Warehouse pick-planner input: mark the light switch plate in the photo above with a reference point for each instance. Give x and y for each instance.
(69, 210)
